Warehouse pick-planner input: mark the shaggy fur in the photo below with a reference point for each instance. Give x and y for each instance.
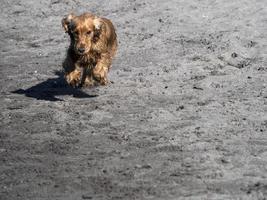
(92, 47)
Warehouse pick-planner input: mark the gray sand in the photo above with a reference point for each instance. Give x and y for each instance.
(184, 118)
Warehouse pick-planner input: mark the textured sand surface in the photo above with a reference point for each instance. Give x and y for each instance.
(185, 117)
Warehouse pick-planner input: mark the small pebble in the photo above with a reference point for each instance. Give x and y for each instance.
(86, 197)
(180, 108)
(234, 55)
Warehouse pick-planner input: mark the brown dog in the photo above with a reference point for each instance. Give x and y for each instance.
(93, 45)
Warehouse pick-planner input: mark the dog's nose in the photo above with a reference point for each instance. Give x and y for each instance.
(81, 50)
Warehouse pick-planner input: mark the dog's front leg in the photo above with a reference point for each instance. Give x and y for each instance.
(73, 78)
(101, 69)
(87, 79)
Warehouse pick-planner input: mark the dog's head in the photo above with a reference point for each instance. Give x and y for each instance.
(83, 31)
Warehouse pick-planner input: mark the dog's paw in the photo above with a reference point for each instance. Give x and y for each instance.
(102, 80)
(74, 83)
(100, 76)
(88, 82)
(74, 79)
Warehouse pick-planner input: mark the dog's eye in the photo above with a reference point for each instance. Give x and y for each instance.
(88, 32)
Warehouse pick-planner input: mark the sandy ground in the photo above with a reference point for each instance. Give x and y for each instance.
(185, 117)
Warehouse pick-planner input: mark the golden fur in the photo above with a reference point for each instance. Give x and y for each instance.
(92, 48)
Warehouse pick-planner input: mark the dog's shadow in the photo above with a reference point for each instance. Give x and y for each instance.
(49, 89)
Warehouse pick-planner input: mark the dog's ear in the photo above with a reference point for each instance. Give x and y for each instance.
(67, 22)
(98, 23)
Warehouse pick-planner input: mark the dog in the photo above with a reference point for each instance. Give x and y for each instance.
(92, 47)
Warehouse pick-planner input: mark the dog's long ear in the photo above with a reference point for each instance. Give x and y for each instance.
(67, 22)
